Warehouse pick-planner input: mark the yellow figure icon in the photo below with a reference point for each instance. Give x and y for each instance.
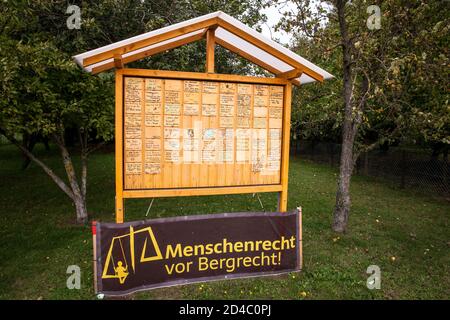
(121, 272)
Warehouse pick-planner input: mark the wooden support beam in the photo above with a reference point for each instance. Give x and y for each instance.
(118, 62)
(148, 41)
(251, 58)
(210, 48)
(292, 74)
(149, 52)
(268, 48)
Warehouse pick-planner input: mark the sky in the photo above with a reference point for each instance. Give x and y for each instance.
(273, 17)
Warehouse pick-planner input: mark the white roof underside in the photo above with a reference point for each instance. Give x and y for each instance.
(221, 34)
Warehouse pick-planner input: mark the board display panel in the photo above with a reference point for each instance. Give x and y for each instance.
(191, 133)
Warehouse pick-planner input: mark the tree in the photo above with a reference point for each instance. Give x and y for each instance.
(44, 93)
(392, 89)
(34, 102)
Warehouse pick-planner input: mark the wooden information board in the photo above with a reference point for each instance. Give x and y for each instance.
(192, 134)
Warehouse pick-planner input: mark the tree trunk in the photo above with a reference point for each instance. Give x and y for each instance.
(78, 199)
(342, 206)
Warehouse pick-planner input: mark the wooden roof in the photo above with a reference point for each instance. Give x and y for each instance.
(228, 32)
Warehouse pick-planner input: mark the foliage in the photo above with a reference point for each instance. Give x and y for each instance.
(406, 62)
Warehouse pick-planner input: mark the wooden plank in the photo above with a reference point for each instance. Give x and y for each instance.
(201, 76)
(210, 48)
(119, 146)
(148, 41)
(292, 74)
(149, 52)
(282, 201)
(118, 62)
(199, 191)
(268, 48)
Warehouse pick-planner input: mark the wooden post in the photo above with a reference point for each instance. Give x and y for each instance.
(300, 238)
(94, 245)
(283, 195)
(119, 146)
(118, 63)
(210, 46)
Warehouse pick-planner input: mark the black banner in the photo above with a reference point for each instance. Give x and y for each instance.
(157, 253)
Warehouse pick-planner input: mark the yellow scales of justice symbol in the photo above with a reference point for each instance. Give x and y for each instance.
(121, 271)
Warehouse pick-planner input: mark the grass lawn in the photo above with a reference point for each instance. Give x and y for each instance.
(38, 238)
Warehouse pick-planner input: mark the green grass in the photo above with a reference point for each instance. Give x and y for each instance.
(38, 237)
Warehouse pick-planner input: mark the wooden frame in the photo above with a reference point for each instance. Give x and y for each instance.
(122, 194)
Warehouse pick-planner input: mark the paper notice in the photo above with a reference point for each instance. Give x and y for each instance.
(260, 112)
(152, 120)
(133, 83)
(153, 108)
(152, 144)
(226, 122)
(245, 88)
(174, 109)
(273, 165)
(173, 85)
(226, 110)
(153, 84)
(191, 86)
(261, 90)
(133, 168)
(226, 87)
(172, 155)
(276, 102)
(209, 98)
(133, 144)
(133, 95)
(209, 134)
(153, 96)
(153, 156)
(171, 121)
(133, 156)
(274, 134)
(133, 132)
(243, 122)
(191, 109)
(172, 97)
(210, 87)
(191, 97)
(275, 123)
(244, 100)
(191, 156)
(243, 111)
(133, 120)
(209, 155)
(276, 90)
(227, 99)
(209, 110)
(170, 133)
(259, 123)
(261, 101)
(190, 133)
(152, 132)
(191, 144)
(242, 156)
(152, 168)
(172, 144)
(132, 107)
(275, 112)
